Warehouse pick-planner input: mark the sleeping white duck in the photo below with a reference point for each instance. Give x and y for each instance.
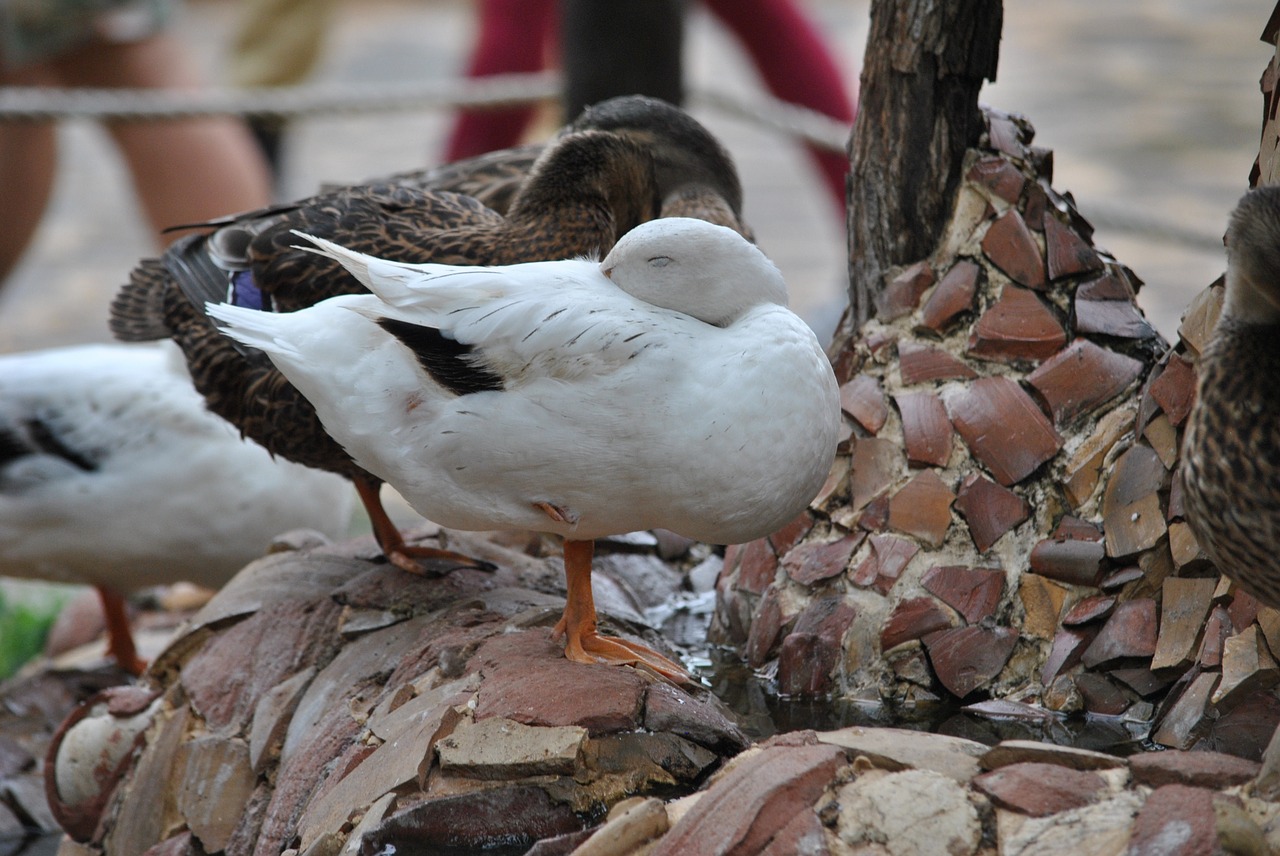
(113, 473)
(665, 387)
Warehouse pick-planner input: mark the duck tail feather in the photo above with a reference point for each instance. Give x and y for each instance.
(251, 327)
(137, 311)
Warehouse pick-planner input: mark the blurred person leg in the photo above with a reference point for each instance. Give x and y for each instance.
(28, 161)
(621, 47)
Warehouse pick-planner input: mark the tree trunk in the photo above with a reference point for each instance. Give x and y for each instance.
(925, 62)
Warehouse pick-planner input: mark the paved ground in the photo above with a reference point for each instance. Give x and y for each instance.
(1150, 106)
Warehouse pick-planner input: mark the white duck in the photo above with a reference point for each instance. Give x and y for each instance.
(665, 387)
(113, 473)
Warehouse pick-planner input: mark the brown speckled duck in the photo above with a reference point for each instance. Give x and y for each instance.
(584, 191)
(1231, 452)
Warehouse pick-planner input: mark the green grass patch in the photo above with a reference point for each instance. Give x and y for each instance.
(23, 628)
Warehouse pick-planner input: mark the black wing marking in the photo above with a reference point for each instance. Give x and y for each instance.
(447, 361)
(39, 439)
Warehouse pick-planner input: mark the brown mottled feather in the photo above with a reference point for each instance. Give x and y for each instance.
(1231, 451)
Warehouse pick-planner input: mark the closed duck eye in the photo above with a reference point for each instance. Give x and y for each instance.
(660, 261)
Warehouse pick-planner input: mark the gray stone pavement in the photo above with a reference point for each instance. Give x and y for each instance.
(1149, 106)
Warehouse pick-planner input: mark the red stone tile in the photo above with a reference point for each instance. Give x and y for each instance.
(1069, 645)
(1243, 609)
(1118, 318)
(922, 507)
(863, 399)
(1018, 326)
(812, 652)
(1038, 790)
(1216, 630)
(1033, 213)
(1075, 529)
(902, 293)
(875, 517)
(973, 592)
(473, 822)
(953, 296)
(788, 536)
(1175, 389)
(1003, 428)
(812, 562)
(989, 509)
(757, 566)
(1081, 377)
(765, 629)
(1176, 821)
(1066, 252)
(1100, 696)
(1131, 512)
(1142, 681)
(1004, 134)
(926, 430)
(913, 618)
(999, 176)
(1110, 286)
(1010, 246)
(1215, 770)
(888, 558)
(875, 466)
(1129, 632)
(920, 363)
(1089, 609)
(1118, 579)
(968, 658)
(1069, 560)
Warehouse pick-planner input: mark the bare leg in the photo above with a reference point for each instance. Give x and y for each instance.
(391, 542)
(28, 160)
(119, 634)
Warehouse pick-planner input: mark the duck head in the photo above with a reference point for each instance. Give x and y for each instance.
(1253, 258)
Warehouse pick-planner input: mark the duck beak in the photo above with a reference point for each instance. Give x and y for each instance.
(608, 273)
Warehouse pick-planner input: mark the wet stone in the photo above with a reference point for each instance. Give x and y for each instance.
(1184, 605)
(1008, 752)
(1176, 821)
(919, 363)
(1129, 632)
(1142, 681)
(1069, 560)
(1175, 389)
(989, 509)
(1118, 318)
(968, 658)
(1132, 516)
(922, 507)
(1214, 770)
(863, 399)
(812, 652)
(914, 618)
(1042, 601)
(1089, 609)
(698, 717)
(1000, 177)
(1082, 377)
(1018, 326)
(812, 562)
(1037, 789)
(1010, 246)
(1067, 253)
(926, 430)
(766, 625)
(1003, 428)
(973, 592)
(953, 296)
(1100, 695)
(902, 294)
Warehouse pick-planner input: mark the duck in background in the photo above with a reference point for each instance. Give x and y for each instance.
(583, 191)
(667, 386)
(114, 474)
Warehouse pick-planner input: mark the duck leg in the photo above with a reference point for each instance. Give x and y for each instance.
(119, 634)
(578, 624)
(391, 542)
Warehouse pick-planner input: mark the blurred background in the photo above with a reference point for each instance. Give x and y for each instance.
(1152, 109)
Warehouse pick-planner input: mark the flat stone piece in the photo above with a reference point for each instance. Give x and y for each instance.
(913, 618)
(918, 810)
(811, 653)
(1042, 601)
(812, 562)
(1003, 428)
(1175, 389)
(1008, 752)
(999, 176)
(1187, 720)
(752, 799)
(889, 557)
(876, 464)
(699, 717)
(1010, 246)
(1242, 606)
(1215, 770)
(1089, 609)
(1066, 252)
(766, 626)
(1131, 511)
(1100, 696)
(1084, 467)
(953, 296)
(216, 782)
(1082, 377)
(989, 509)
(1118, 318)
(973, 592)
(757, 566)
(1184, 605)
(1069, 560)
(1110, 286)
(791, 534)
(1117, 580)
(863, 399)
(1184, 547)
(1142, 681)
(1069, 645)
(1176, 821)
(926, 430)
(498, 748)
(1247, 669)
(1214, 638)
(902, 294)
(1201, 317)
(1038, 789)
(922, 507)
(919, 363)
(1018, 326)
(1129, 632)
(1098, 828)
(968, 658)
(896, 749)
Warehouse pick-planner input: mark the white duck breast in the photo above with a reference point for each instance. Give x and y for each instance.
(112, 472)
(667, 386)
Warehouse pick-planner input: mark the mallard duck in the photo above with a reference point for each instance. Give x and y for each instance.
(113, 473)
(583, 192)
(1231, 451)
(667, 386)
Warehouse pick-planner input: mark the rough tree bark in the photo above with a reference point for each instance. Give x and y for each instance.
(925, 62)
